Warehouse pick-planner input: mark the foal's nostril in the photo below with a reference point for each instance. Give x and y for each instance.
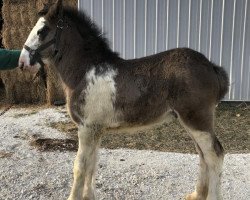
(21, 64)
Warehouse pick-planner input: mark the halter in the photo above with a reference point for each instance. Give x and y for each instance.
(35, 55)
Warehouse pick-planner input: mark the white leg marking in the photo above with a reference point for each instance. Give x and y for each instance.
(84, 166)
(213, 162)
(210, 166)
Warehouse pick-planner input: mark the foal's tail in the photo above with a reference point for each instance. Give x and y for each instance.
(222, 80)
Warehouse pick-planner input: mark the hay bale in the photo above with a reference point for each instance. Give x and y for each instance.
(55, 90)
(20, 17)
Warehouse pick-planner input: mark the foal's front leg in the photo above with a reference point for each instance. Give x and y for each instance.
(84, 165)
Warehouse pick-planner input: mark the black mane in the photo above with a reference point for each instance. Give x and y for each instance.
(94, 41)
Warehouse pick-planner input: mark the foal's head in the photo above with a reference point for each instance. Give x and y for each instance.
(61, 31)
(44, 40)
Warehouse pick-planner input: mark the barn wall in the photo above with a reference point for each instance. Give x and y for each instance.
(220, 29)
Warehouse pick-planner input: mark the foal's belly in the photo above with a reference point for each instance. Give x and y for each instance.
(125, 127)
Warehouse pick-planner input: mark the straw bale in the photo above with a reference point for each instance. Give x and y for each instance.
(55, 90)
(20, 17)
(19, 86)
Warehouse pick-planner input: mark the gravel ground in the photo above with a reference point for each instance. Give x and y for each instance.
(26, 173)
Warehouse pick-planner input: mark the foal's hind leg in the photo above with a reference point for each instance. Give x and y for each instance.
(199, 124)
(201, 188)
(84, 165)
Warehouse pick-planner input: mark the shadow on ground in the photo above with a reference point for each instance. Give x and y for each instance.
(232, 128)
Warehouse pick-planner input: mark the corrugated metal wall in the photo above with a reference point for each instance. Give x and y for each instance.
(220, 29)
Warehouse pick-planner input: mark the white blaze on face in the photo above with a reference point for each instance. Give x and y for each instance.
(32, 42)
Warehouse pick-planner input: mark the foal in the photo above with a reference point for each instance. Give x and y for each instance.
(106, 93)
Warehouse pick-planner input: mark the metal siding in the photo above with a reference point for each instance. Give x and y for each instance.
(172, 24)
(183, 24)
(220, 29)
(161, 25)
(118, 25)
(151, 13)
(129, 29)
(205, 27)
(246, 59)
(237, 50)
(216, 33)
(140, 28)
(108, 22)
(194, 24)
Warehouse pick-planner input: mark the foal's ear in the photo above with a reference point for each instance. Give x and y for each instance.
(44, 10)
(59, 7)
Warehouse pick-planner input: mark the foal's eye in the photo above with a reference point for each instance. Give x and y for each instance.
(43, 32)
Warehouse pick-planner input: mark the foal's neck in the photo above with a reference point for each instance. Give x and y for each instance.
(82, 48)
(79, 56)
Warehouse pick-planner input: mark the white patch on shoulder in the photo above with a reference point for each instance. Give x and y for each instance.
(100, 96)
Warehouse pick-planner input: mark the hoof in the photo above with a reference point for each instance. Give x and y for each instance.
(190, 197)
(194, 196)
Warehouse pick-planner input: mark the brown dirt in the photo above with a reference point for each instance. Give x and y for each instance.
(232, 127)
(54, 144)
(4, 154)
